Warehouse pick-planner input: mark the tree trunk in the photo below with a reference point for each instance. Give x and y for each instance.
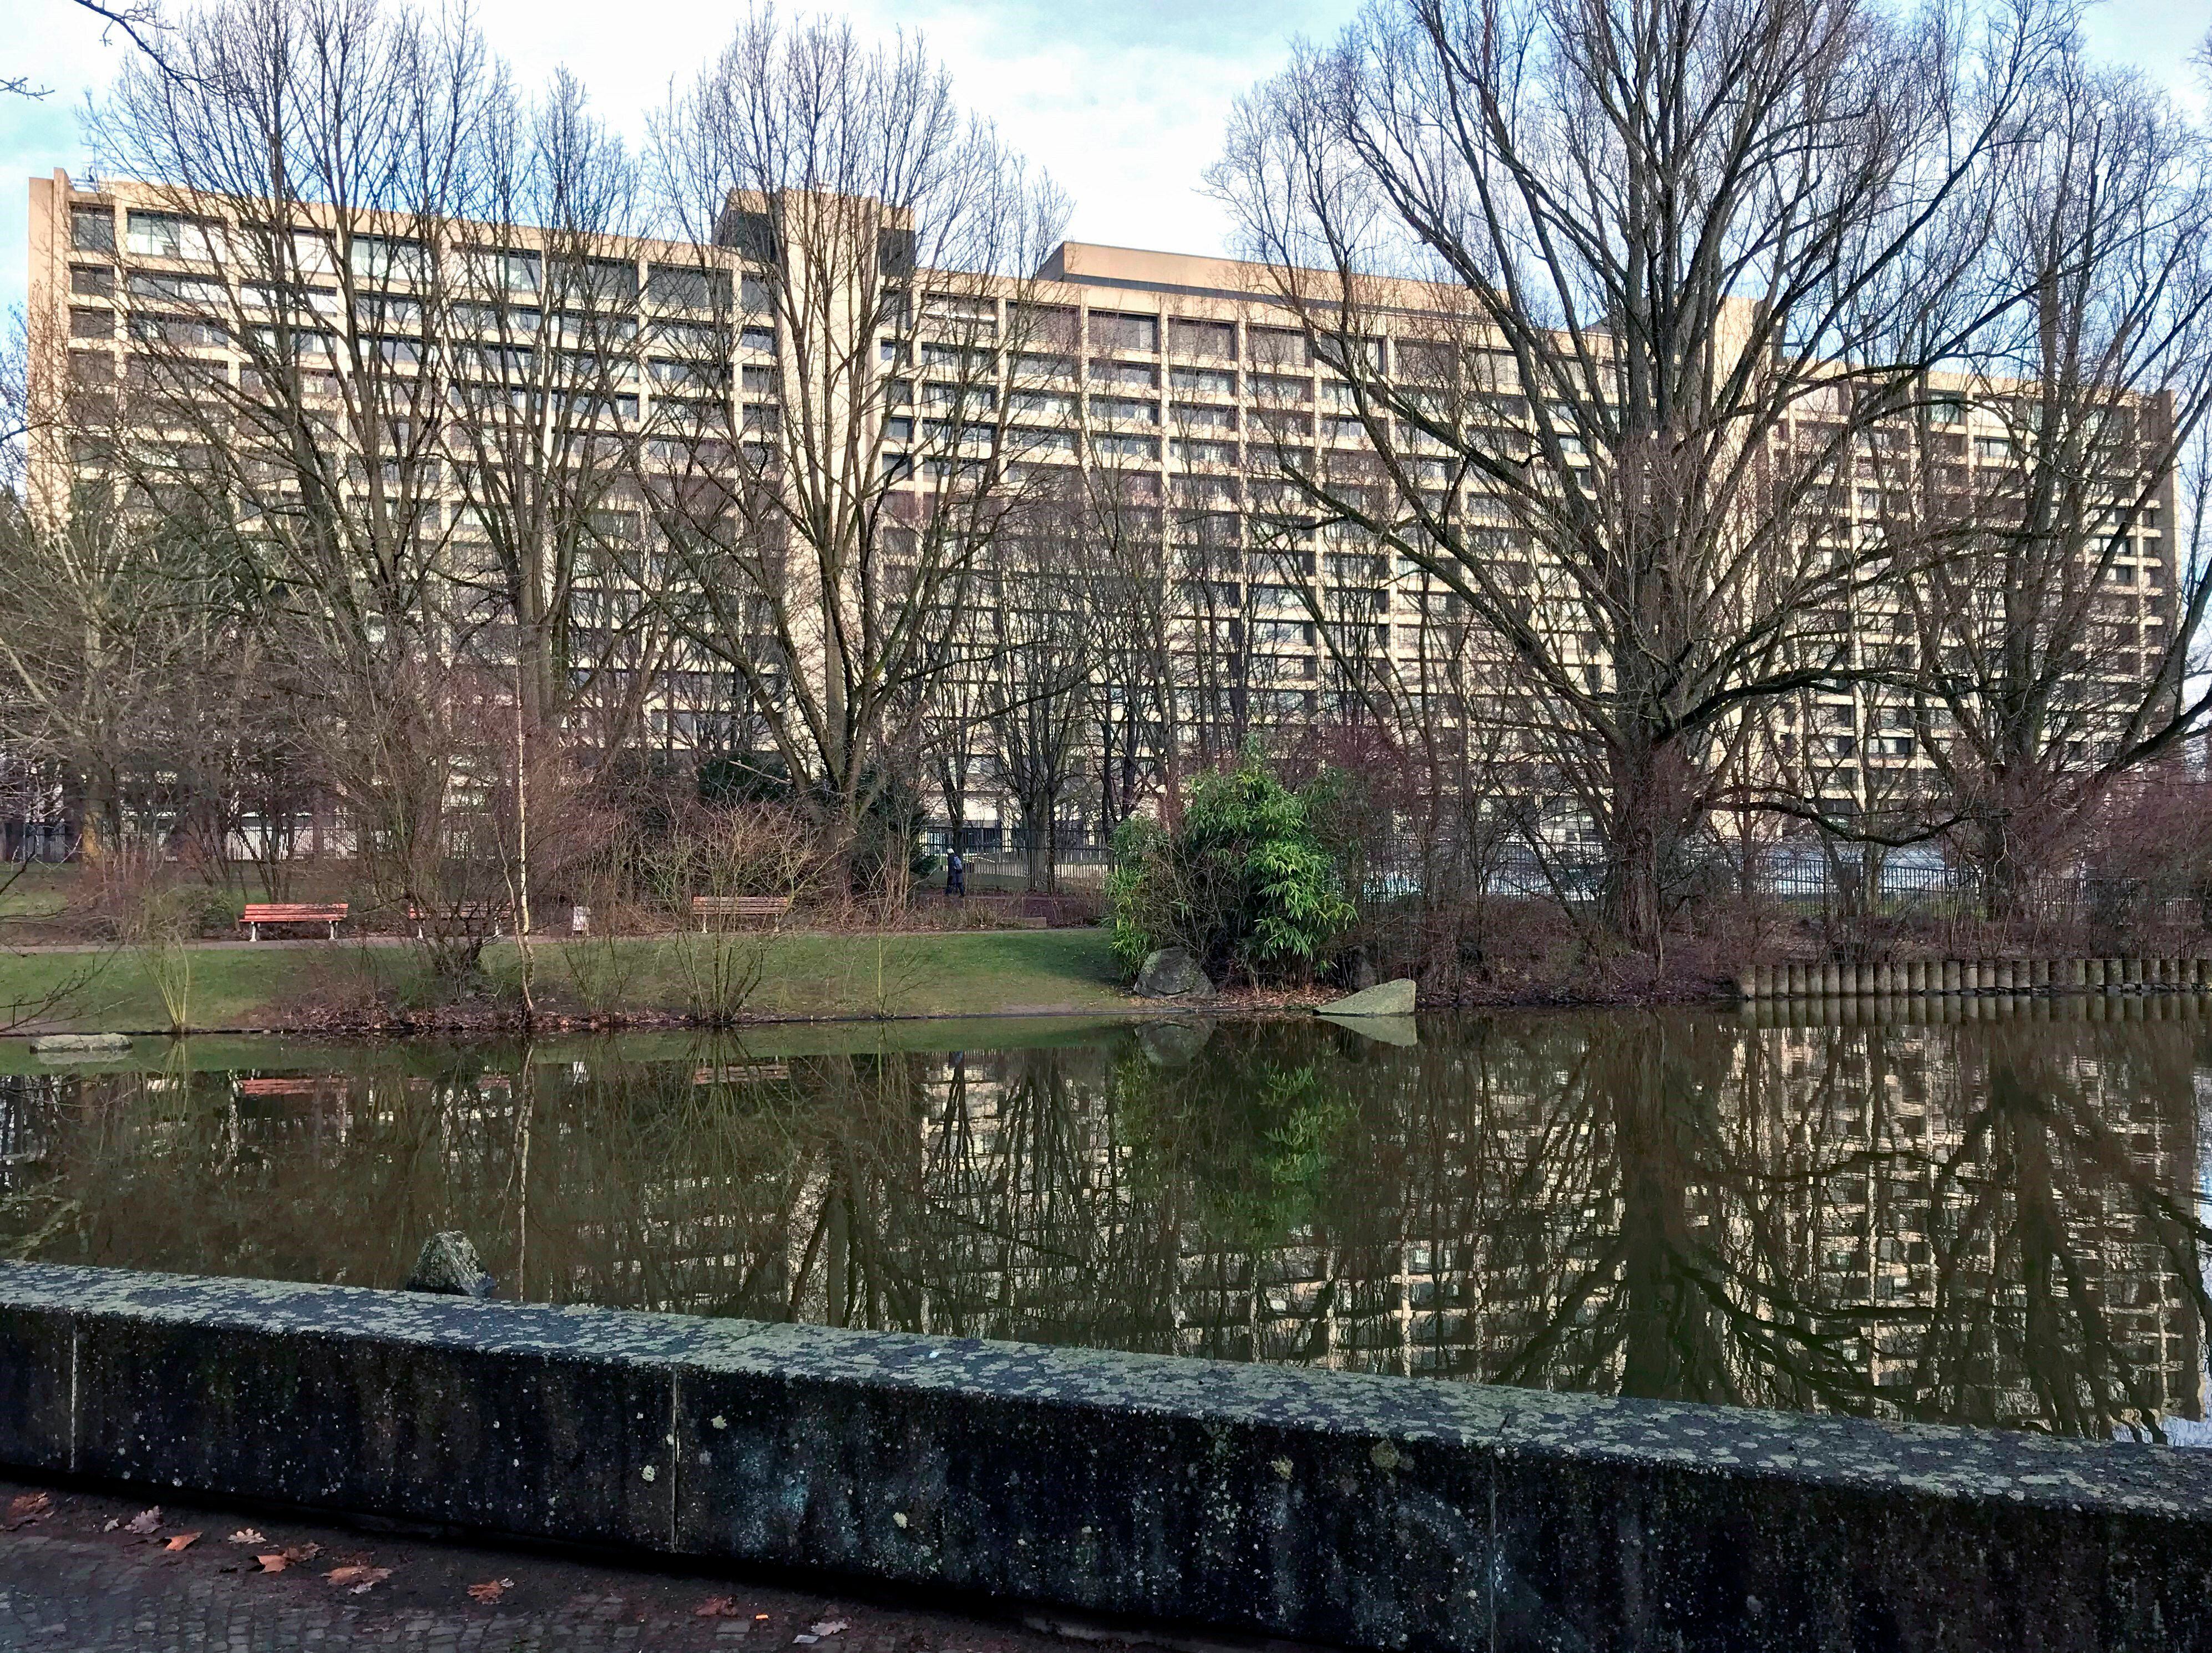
(1630, 895)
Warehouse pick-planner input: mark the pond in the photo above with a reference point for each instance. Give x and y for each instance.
(1997, 1221)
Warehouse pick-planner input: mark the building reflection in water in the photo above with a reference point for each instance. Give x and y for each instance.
(1993, 1220)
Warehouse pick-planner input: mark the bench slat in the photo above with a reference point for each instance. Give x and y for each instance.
(739, 907)
(256, 914)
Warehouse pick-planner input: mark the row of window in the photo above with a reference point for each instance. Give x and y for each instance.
(384, 259)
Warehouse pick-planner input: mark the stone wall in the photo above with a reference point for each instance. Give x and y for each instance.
(1376, 1512)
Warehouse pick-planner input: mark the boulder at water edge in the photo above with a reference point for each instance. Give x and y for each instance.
(1172, 973)
(81, 1044)
(448, 1264)
(1390, 998)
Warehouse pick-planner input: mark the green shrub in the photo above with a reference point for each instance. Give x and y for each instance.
(1245, 883)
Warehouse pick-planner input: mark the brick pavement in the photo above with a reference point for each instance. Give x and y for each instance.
(72, 1575)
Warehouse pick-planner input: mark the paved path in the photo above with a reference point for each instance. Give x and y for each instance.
(72, 1575)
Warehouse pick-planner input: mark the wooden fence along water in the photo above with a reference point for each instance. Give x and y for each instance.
(1976, 976)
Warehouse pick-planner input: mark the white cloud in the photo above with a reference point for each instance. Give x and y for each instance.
(1123, 101)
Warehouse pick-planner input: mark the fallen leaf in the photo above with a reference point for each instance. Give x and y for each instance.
(290, 1556)
(717, 1607)
(113, 1521)
(27, 1507)
(246, 1535)
(359, 1580)
(145, 1523)
(831, 1627)
(182, 1542)
(491, 1589)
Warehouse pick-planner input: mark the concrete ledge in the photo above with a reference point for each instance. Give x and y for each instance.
(1371, 1511)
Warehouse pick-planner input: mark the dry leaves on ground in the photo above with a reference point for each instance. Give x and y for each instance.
(831, 1627)
(290, 1556)
(28, 1507)
(491, 1589)
(246, 1535)
(359, 1580)
(145, 1523)
(718, 1607)
(182, 1542)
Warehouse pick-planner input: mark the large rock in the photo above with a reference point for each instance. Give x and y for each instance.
(81, 1044)
(1172, 973)
(448, 1264)
(1174, 1044)
(1390, 998)
(1383, 1030)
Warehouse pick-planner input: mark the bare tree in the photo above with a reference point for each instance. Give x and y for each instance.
(2053, 636)
(545, 388)
(1656, 269)
(1041, 673)
(834, 450)
(139, 21)
(279, 386)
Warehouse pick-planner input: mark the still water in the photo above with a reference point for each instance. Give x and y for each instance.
(1996, 1221)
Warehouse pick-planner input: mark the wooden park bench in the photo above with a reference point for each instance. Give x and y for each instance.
(771, 908)
(258, 914)
(467, 912)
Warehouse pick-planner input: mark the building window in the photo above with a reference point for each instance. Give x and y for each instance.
(92, 229)
(1127, 447)
(92, 324)
(611, 281)
(1111, 330)
(1129, 375)
(685, 287)
(379, 259)
(176, 289)
(1049, 325)
(1206, 381)
(157, 235)
(1197, 416)
(1125, 410)
(1216, 338)
(1278, 346)
(92, 281)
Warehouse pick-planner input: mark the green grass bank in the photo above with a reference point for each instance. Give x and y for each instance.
(333, 986)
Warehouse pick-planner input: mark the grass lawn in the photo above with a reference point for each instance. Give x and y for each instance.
(972, 973)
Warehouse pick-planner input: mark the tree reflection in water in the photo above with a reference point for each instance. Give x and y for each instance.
(1995, 1222)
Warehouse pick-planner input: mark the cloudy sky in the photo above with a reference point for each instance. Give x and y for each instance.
(1122, 101)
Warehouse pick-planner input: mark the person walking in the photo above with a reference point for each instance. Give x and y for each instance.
(955, 877)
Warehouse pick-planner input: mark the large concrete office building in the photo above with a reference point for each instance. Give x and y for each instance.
(1177, 375)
